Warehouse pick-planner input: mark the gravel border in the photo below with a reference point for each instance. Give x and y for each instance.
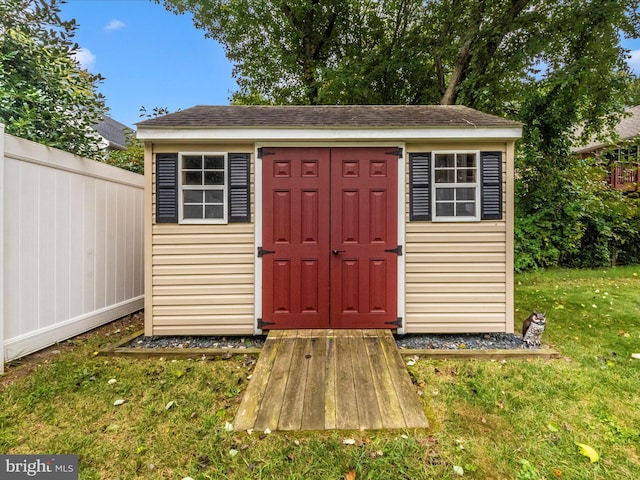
(481, 341)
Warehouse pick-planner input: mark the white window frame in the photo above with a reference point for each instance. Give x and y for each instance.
(435, 186)
(224, 188)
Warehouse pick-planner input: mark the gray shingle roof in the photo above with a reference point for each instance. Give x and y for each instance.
(627, 129)
(329, 116)
(113, 131)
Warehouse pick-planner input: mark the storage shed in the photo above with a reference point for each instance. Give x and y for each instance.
(274, 217)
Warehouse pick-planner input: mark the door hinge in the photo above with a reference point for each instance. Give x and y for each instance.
(397, 323)
(262, 324)
(397, 250)
(262, 252)
(398, 152)
(262, 152)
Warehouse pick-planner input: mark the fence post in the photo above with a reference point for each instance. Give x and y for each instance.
(2, 190)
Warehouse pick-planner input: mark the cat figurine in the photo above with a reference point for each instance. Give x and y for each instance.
(532, 330)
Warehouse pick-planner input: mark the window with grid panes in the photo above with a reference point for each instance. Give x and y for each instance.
(456, 194)
(203, 187)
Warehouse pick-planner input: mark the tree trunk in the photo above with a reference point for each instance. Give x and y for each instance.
(451, 94)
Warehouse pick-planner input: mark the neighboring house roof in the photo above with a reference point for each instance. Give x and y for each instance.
(329, 116)
(627, 129)
(113, 132)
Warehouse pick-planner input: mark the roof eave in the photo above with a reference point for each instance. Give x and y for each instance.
(512, 132)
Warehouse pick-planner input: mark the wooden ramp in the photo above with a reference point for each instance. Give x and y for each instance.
(330, 380)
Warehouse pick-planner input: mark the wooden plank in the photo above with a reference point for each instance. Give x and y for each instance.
(202, 259)
(212, 230)
(330, 405)
(254, 394)
(186, 310)
(447, 268)
(204, 249)
(470, 256)
(293, 400)
(204, 239)
(522, 354)
(411, 406)
(447, 277)
(314, 398)
(369, 414)
(392, 416)
(175, 280)
(346, 406)
(449, 247)
(472, 308)
(460, 297)
(269, 412)
(190, 270)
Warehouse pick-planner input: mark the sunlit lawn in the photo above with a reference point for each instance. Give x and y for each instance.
(490, 419)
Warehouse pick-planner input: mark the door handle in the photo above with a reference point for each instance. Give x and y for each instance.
(336, 252)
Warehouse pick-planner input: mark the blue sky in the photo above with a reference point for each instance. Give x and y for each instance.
(149, 57)
(153, 58)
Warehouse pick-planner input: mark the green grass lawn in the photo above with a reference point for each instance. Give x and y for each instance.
(496, 420)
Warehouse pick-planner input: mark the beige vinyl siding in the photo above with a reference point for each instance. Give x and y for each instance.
(200, 277)
(458, 275)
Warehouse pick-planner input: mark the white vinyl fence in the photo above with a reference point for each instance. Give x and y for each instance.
(70, 245)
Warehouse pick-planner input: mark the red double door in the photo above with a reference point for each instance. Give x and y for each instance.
(329, 242)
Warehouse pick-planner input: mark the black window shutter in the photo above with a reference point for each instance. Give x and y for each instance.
(491, 167)
(239, 187)
(420, 186)
(167, 188)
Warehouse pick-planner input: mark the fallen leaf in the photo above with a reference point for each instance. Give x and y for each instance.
(169, 405)
(350, 475)
(499, 404)
(458, 470)
(119, 402)
(557, 472)
(588, 451)
(228, 426)
(233, 452)
(553, 426)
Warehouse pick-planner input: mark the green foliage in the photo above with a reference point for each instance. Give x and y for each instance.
(575, 220)
(45, 95)
(552, 65)
(131, 159)
(527, 472)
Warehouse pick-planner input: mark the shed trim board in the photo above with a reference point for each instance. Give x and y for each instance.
(329, 134)
(453, 276)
